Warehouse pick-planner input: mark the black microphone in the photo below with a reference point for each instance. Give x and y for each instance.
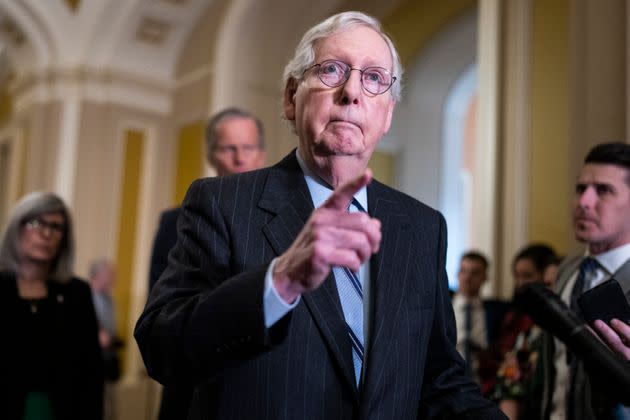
(553, 315)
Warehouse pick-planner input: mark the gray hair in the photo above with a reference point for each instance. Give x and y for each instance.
(30, 206)
(305, 52)
(229, 113)
(97, 265)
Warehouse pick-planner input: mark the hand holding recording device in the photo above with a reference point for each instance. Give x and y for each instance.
(552, 314)
(605, 302)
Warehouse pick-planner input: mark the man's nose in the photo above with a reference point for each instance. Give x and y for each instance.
(352, 89)
(587, 198)
(238, 156)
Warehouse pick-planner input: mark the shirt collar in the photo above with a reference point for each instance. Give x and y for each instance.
(320, 190)
(460, 300)
(612, 260)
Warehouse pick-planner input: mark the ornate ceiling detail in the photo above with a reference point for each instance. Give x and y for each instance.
(176, 2)
(11, 32)
(153, 31)
(73, 4)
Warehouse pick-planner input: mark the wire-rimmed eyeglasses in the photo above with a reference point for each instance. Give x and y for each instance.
(333, 73)
(46, 228)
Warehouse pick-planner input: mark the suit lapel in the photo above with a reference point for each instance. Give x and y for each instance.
(387, 278)
(566, 270)
(286, 196)
(622, 275)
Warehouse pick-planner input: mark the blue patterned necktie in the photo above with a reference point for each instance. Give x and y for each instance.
(588, 269)
(350, 287)
(468, 339)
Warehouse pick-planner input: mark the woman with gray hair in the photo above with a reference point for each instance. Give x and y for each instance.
(50, 360)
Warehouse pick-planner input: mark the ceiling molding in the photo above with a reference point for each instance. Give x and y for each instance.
(95, 86)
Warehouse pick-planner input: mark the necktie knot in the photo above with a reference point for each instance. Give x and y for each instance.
(356, 204)
(586, 273)
(589, 265)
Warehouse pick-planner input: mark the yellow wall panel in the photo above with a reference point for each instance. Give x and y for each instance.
(127, 224)
(382, 165)
(415, 22)
(549, 197)
(190, 158)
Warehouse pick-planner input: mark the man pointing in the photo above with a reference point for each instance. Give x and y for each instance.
(307, 290)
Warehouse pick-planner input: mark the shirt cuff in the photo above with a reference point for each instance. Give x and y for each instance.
(274, 306)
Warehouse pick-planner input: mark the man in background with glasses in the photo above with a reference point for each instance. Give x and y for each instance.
(308, 290)
(235, 143)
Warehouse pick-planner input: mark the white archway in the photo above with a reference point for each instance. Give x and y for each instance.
(425, 161)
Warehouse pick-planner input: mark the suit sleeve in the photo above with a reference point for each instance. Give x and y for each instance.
(204, 313)
(448, 392)
(162, 244)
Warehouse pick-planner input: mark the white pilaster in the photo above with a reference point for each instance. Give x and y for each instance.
(484, 188)
(67, 153)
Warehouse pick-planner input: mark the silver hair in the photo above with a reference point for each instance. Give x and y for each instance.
(30, 206)
(229, 113)
(97, 265)
(305, 52)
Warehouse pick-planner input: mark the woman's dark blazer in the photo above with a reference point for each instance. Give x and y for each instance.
(77, 388)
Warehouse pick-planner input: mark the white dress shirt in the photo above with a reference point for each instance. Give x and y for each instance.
(479, 329)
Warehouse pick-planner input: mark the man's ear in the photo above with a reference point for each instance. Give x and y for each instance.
(289, 99)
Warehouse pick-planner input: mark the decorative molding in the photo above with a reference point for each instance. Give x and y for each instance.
(93, 85)
(11, 32)
(73, 5)
(178, 3)
(153, 31)
(194, 76)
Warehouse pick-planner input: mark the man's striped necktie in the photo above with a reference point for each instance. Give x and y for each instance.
(350, 287)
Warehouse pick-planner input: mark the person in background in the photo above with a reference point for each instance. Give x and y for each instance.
(478, 320)
(102, 279)
(308, 290)
(601, 220)
(517, 348)
(51, 359)
(551, 272)
(235, 143)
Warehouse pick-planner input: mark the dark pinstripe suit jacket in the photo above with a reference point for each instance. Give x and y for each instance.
(204, 319)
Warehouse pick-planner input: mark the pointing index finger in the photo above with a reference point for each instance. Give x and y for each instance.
(342, 196)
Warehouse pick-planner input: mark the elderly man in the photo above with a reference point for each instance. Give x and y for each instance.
(307, 290)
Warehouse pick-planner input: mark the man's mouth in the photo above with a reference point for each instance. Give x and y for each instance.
(582, 219)
(345, 121)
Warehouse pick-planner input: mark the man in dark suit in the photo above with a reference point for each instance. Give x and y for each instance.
(235, 143)
(478, 320)
(283, 299)
(601, 220)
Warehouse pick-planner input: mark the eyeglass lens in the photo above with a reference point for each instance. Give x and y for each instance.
(375, 80)
(40, 224)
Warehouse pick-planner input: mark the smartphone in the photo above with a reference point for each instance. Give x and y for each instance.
(605, 301)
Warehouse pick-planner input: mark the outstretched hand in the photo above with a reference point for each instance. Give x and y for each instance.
(330, 237)
(617, 337)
